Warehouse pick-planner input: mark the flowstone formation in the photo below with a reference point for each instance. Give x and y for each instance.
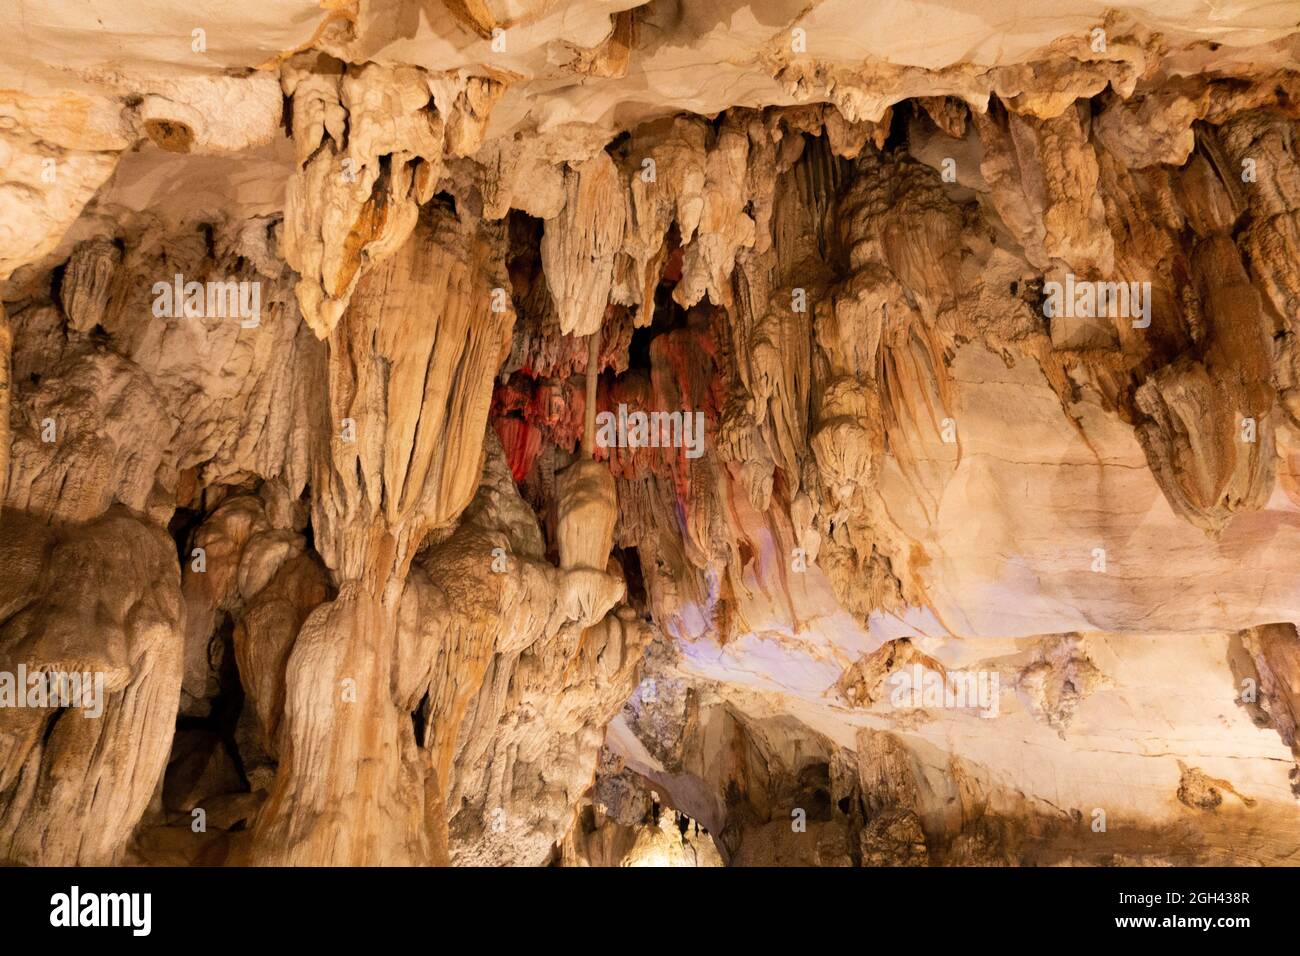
(618, 433)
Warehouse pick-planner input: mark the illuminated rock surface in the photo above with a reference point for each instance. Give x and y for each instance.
(295, 306)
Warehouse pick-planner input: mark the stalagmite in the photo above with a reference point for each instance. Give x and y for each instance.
(586, 499)
(486, 433)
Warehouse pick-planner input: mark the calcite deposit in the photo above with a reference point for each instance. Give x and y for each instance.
(667, 433)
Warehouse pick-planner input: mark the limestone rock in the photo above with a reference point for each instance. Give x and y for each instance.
(954, 346)
(76, 781)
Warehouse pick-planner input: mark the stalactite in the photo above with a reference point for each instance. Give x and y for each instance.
(505, 440)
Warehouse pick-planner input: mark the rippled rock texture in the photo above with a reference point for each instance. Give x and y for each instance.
(665, 434)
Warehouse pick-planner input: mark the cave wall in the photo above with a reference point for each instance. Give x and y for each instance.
(367, 586)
